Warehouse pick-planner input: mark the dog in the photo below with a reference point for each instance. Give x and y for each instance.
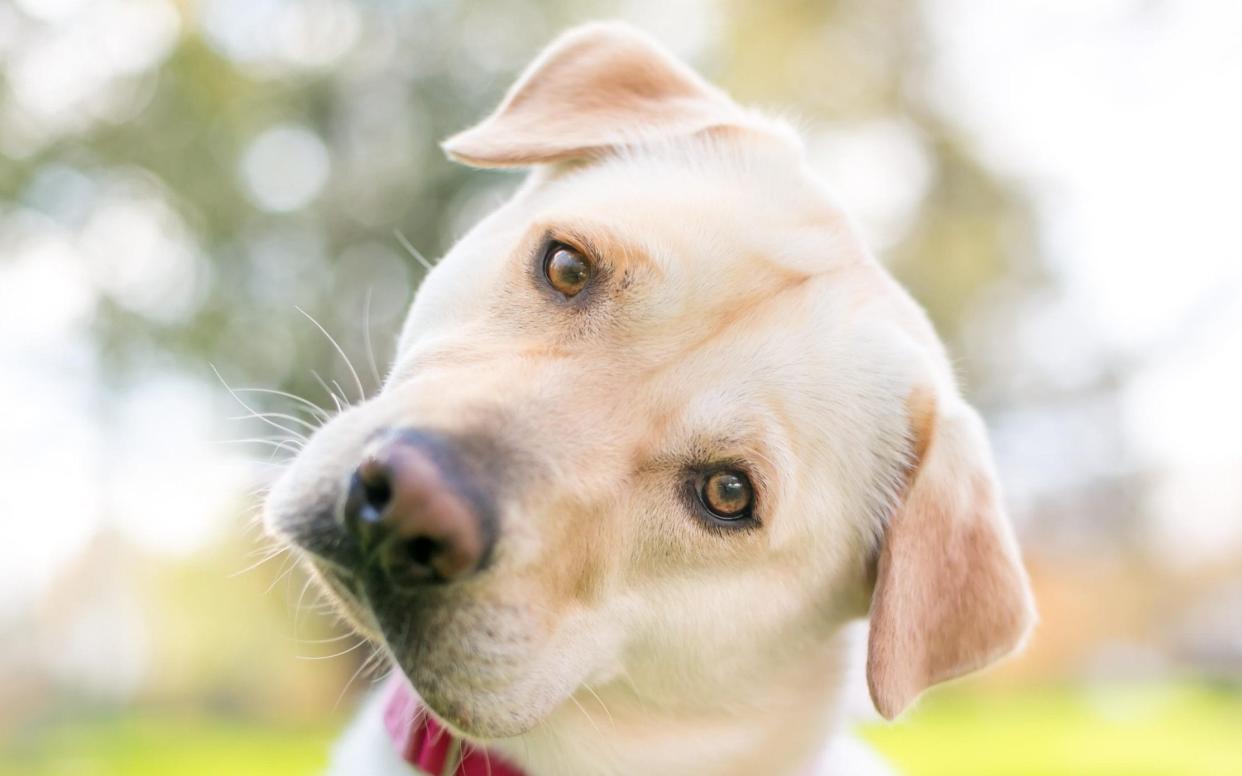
(658, 430)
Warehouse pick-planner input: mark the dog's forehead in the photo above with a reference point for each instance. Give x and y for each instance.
(707, 205)
(737, 253)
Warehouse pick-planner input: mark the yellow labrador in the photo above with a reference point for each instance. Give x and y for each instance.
(658, 430)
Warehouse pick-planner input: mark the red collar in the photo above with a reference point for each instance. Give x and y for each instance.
(427, 745)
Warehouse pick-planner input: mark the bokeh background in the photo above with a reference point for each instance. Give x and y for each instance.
(1058, 182)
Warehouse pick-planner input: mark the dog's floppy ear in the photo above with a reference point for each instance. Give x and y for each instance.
(951, 595)
(598, 86)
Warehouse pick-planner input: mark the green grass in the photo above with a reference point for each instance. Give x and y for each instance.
(1159, 730)
(166, 746)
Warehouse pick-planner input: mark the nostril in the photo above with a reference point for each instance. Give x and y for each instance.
(412, 562)
(374, 480)
(376, 491)
(370, 496)
(421, 550)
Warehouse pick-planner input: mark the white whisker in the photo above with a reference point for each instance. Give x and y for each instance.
(290, 564)
(297, 608)
(329, 640)
(289, 445)
(250, 409)
(366, 339)
(405, 243)
(268, 556)
(279, 415)
(587, 714)
(314, 408)
(341, 391)
(333, 655)
(355, 675)
(340, 406)
(383, 677)
(602, 705)
(362, 394)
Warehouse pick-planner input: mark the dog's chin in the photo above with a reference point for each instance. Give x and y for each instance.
(476, 714)
(471, 661)
(498, 710)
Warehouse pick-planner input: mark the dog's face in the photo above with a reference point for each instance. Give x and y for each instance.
(658, 416)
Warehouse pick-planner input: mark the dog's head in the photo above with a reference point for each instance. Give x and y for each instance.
(659, 415)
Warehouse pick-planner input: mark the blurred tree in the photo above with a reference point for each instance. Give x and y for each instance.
(394, 81)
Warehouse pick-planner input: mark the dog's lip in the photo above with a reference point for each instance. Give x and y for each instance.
(342, 573)
(351, 598)
(319, 533)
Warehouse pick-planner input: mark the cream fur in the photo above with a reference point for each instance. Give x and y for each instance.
(741, 319)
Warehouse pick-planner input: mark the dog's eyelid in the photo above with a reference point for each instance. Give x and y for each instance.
(573, 239)
(600, 244)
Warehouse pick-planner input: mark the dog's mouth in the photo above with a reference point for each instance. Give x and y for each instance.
(466, 651)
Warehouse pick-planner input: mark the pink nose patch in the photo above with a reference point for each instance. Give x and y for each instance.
(424, 743)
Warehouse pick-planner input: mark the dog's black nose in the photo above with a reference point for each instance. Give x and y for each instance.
(416, 513)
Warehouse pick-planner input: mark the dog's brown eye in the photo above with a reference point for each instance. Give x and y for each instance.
(727, 494)
(567, 270)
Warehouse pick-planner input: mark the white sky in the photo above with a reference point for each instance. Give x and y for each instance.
(1125, 118)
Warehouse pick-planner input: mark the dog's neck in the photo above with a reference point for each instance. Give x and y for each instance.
(777, 720)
